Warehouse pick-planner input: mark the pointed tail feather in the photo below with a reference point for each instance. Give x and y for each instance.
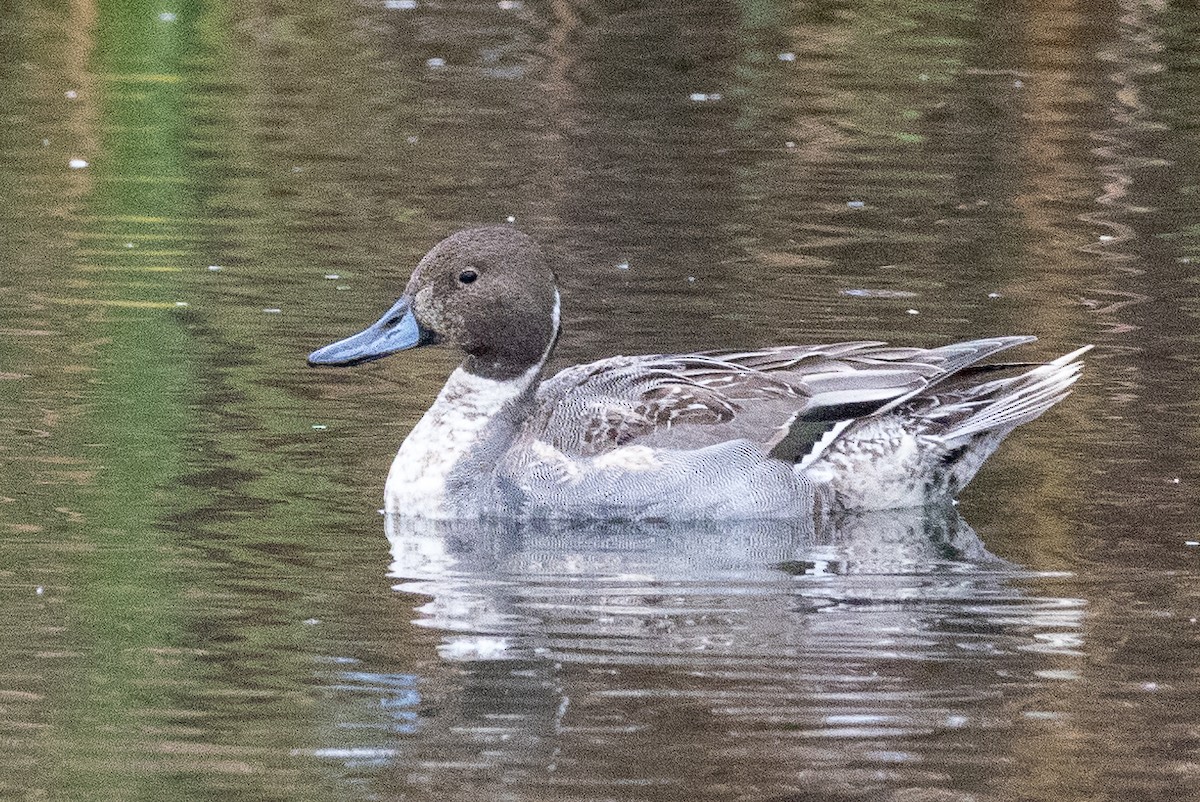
(1021, 399)
(957, 357)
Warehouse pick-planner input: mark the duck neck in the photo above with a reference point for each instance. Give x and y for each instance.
(443, 468)
(512, 344)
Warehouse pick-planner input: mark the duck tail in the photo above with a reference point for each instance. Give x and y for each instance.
(999, 406)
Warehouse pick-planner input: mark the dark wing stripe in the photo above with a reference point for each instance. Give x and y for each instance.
(718, 396)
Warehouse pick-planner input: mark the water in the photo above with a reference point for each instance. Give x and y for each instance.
(200, 600)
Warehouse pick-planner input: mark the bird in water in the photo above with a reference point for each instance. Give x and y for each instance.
(766, 433)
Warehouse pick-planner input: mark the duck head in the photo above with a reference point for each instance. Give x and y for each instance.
(486, 291)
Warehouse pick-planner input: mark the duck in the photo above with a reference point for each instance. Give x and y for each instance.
(757, 434)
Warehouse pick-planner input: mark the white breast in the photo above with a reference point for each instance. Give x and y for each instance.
(448, 432)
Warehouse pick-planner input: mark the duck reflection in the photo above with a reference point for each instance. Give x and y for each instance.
(887, 542)
(586, 656)
(502, 589)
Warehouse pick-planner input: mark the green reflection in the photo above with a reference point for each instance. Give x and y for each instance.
(290, 141)
(133, 234)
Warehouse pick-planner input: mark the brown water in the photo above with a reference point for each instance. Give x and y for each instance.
(199, 600)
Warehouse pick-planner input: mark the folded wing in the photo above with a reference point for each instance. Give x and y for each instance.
(785, 399)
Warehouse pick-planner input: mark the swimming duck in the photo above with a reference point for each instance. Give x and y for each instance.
(718, 435)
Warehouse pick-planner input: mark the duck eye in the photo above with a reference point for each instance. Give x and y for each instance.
(468, 276)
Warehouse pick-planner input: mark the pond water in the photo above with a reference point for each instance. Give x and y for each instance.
(200, 599)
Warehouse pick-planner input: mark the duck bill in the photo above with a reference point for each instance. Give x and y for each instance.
(398, 330)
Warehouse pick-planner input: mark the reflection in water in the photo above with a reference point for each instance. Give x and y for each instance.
(186, 525)
(577, 657)
(890, 542)
(486, 578)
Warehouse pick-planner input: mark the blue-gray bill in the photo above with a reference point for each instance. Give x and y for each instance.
(397, 330)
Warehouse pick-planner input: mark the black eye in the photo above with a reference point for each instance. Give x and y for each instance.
(468, 276)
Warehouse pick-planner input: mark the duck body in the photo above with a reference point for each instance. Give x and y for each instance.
(764, 434)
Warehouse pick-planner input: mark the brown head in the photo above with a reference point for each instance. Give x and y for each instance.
(487, 291)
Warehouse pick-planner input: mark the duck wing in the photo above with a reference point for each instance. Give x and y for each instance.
(769, 396)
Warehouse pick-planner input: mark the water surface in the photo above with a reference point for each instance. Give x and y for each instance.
(201, 599)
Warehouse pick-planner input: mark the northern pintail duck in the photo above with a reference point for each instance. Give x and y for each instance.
(706, 436)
